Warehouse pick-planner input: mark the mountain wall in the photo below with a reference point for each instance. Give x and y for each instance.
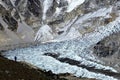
(23, 21)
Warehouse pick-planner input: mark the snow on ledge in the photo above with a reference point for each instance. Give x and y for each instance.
(72, 4)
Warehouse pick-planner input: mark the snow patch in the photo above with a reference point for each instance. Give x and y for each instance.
(46, 4)
(44, 34)
(13, 2)
(73, 4)
(99, 13)
(73, 33)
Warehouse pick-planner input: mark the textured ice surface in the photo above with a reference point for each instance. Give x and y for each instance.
(76, 49)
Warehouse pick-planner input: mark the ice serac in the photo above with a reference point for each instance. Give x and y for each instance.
(49, 63)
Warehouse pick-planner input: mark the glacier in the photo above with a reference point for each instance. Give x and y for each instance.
(71, 44)
(74, 49)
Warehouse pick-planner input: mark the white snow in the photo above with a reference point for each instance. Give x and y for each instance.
(73, 33)
(69, 1)
(73, 4)
(46, 4)
(57, 11)
(3, 23)
(58, 1)
(44, 34)
(13, 2)
(49, 63)
(99, 13)
(103, 32)
(69, 31)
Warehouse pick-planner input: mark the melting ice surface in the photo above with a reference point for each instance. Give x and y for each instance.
(77, 49)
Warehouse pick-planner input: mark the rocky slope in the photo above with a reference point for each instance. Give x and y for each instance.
(108, 50)
(11, 70)
(82, 35)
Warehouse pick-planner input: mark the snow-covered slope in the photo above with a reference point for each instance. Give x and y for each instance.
(72, 4)
(64, 17)
(44, 34)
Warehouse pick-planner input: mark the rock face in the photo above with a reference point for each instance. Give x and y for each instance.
(58, 15)
(108, 46)
(108, 50)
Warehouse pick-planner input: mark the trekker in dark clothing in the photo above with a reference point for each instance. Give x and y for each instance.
(15, 58)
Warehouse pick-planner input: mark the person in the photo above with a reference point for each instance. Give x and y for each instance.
(15, 58)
